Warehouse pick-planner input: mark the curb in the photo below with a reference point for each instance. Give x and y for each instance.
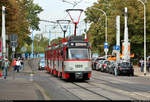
(143, 75)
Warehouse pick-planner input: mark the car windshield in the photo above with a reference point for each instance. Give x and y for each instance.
(76, 53)
(107, 62)
(100, 61)
(125, 64)
(42, 62)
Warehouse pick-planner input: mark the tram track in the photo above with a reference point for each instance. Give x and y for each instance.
(124, 85)
(111, 84)
(31, 65)
(133, 95)
(93, 92)
(138, 89)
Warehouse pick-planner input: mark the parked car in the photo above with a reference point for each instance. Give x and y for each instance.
(99, 64)
(95, 61)
(41, 64)
(105, 66)
(125, 68)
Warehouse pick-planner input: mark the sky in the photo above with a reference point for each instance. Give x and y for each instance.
(55, 10)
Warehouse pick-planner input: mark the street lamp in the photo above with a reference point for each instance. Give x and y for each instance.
(144, 36)
(106, 50)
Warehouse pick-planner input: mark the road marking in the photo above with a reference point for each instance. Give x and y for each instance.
(46, 97)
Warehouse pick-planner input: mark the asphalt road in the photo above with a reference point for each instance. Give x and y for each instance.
(102, 86)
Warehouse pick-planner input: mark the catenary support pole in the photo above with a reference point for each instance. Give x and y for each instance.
(3, 33)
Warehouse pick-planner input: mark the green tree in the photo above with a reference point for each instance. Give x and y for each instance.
(112, 9)
(21, 16)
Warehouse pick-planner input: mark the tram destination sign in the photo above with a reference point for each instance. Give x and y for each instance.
(79, 44)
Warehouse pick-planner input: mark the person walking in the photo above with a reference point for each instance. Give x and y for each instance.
(141, 65)
(18, 64)
(148, 65)
(21, 62)
(5, 65)
(13, 64)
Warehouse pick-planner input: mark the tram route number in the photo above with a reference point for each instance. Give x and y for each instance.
(80, 44)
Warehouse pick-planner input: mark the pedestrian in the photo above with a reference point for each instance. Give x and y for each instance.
(5, 65)
(141, 64)
(26, 55)
(21, 61)
(13, 64)
(18, 64)
(148, 65)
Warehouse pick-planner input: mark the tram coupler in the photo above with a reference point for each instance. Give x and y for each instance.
(78, 75)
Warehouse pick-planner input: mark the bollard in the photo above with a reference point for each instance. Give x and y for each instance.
(115, 69)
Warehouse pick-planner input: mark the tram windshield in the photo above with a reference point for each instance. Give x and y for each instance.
(75, 53)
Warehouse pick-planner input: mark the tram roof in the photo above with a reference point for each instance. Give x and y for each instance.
(65, 42)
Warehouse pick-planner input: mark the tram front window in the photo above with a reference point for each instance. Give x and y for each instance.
(78, 53)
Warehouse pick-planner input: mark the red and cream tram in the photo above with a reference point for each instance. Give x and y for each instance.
(69, 59)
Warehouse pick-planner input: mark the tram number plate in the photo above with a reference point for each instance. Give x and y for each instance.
(78, 66)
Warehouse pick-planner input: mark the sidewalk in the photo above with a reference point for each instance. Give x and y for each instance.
(137, 72)
(18, 88)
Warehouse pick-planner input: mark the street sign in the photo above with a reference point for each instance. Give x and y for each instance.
(105, 45)
(13, 44)
(13, 49)
(13, 37)
(116, 47)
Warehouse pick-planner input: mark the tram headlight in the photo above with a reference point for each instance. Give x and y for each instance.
(72, 44)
